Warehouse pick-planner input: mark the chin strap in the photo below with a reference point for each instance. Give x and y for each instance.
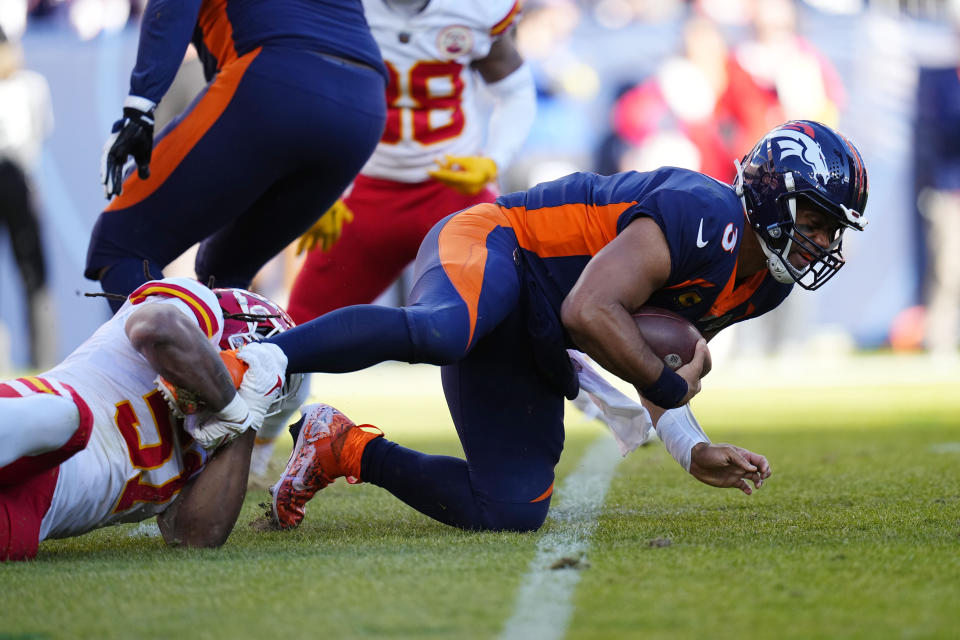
(779, 268)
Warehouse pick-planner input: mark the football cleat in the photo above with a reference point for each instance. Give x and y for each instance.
(328, 446)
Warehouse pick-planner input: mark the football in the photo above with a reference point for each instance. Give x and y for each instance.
(670, 335)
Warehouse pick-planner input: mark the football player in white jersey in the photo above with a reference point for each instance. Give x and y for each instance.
(98, 440)
(441, 149)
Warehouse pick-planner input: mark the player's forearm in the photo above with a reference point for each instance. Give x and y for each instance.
(165, 32)
(607, 333)
(207, 508)
(512, 117)
(179, 352)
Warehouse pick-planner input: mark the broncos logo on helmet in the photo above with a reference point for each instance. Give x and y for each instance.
(795, 142)
(804, 159)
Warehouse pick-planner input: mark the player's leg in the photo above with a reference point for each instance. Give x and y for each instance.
(510, 424)
(22, 508)
(38, 430)
(328, 143)
(461, 257)
(241, 136)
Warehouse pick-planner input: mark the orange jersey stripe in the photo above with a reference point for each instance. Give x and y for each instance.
(504, 24)
(217, 31)
(206, 318)
(174, 147)
(568, 229)
(690, 283)
(733, 296)
(463, 253)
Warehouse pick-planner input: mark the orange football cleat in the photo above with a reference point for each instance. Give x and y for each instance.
(329, 446)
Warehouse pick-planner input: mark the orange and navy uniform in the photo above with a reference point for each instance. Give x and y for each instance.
(293, 109)
(489, 283)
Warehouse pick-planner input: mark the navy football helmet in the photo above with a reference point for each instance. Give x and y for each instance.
(802, 159)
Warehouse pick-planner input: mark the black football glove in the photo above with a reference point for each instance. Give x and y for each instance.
(132, 135)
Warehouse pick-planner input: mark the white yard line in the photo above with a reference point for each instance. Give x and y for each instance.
(544, 601)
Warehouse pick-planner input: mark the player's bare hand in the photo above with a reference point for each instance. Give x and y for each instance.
(694, 370)
(726, 465)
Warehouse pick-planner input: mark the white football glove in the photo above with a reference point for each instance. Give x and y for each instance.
(263, 380)
(212, 430)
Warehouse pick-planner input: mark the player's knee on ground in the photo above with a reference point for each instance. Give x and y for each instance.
(439, 334)
(512, 516)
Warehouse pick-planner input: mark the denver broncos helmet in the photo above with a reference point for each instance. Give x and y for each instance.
(802, 159)
(251, 317)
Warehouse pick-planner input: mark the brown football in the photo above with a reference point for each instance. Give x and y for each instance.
(670, 335)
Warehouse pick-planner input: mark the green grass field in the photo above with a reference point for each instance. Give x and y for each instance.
(856, 535)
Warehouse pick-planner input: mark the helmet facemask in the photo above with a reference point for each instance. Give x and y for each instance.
(250, 317)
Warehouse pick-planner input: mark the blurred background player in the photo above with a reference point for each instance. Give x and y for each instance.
(251, 164)
(441, 150)
(504, 289)
(937, 176)
(94, 442)
(26, 120)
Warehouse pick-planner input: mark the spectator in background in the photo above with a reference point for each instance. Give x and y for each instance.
(26, 119)
(777, 75)
(773, 76)
(937, 166)
(671, 118)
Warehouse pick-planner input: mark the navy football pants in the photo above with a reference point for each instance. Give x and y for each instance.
(265, 150)
(510, 422)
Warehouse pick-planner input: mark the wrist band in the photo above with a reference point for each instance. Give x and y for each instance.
(680, 433)
(667, 391)
(236, 411)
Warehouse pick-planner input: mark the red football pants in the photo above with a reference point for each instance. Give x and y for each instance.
(390, 221)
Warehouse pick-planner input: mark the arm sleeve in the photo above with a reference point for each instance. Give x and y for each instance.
(164, 35)
(515, 107)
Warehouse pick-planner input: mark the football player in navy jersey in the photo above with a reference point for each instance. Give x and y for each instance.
(502, 290)
(293, 109)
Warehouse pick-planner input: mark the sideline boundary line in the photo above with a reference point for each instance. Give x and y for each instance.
(543, 606)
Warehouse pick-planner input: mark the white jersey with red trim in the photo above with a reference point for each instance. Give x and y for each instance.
(432, 103)
(138, 457)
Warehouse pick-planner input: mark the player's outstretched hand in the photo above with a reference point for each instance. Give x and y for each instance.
(467, 174)
(726, 465)
(326, 231)
(263, 379)
(132, 135)
(693, 371)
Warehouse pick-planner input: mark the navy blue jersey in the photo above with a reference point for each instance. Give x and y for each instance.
(223, 30)
(561, 225)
